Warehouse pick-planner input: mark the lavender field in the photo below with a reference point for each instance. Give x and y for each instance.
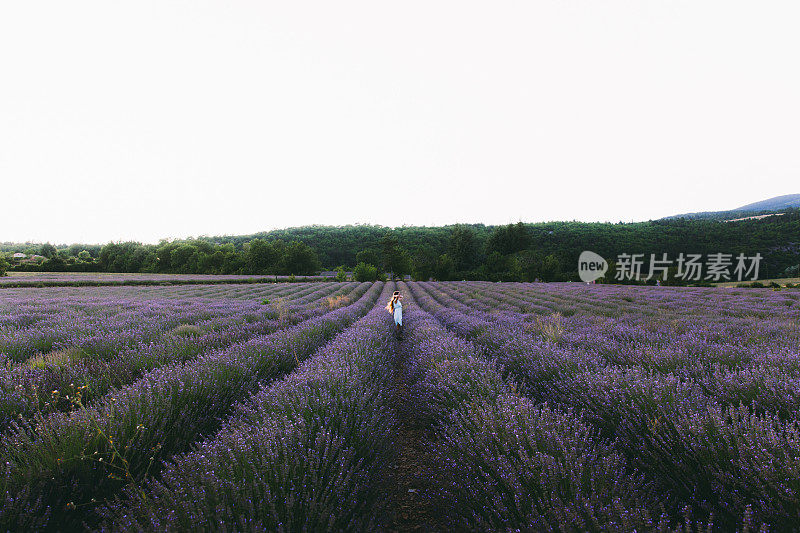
(503, 407)
(58, 279)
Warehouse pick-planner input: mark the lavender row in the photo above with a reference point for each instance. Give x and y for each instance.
(61, 465)
(722, 445)
(502, 463)
(699, 449)
(569, 298)
(92, 325)
(101, 327)
(695, 343)
(306, 453)
(43, 388)
(553, 355)
(99, 277)
(616, 300)
(248, 292)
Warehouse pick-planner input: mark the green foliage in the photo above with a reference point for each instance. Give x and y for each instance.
(261, 257)
(371, 256)
(525, 265)
(127, 257)
(193, 257)
(48, 250)
(496, 266)
(464, 248)
(424, 264)
(278, 257)
(341, 274)
(343, 245)
(551, 268)
(55, 264)
(545, 251)
(365, 272)
(394, 258)
(445, 268)
(3, 265)
(510, 239)
(298, 258)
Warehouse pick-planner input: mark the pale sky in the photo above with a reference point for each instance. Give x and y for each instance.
(158, 119)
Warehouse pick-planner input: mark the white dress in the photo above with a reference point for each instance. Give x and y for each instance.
(398, 313)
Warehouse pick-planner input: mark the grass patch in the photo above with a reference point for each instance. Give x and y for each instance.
(550, 328)
(335, 302)
(187, 330)
(56, 358)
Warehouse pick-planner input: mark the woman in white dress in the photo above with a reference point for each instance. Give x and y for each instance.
(395, 306)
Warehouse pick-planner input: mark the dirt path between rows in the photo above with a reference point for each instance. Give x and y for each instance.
(410, 482)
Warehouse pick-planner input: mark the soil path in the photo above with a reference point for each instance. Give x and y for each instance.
(410, 483)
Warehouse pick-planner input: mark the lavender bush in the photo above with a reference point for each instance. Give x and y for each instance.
(306, 453)
(72, 460)
(28, 388)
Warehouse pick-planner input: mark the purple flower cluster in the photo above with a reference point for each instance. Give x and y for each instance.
(696, 397)
(306, 453)
(67, 461)
(137, 336)
(500, 461)
(78, 278)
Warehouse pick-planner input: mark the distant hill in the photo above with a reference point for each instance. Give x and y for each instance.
(772, 205)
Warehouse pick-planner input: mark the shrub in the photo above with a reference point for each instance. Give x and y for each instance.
(187, 330)
(67, 460)
(722, 460)
(56, 358)
(365, 272)
(550, 328)
(335, 302)
(510, 465)
(307, 453)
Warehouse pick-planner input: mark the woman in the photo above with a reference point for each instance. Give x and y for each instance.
(395, 306)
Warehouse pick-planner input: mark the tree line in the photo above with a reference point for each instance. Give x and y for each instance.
(513, 252)
(191, 256)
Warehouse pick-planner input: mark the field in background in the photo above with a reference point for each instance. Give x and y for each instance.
(780, 281)
(501, 406)
(56, 279)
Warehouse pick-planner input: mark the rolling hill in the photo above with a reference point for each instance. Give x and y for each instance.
(771, 205)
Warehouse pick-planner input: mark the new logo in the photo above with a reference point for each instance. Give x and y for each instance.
(591, 266)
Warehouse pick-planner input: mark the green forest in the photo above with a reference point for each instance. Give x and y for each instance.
(515, 252)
